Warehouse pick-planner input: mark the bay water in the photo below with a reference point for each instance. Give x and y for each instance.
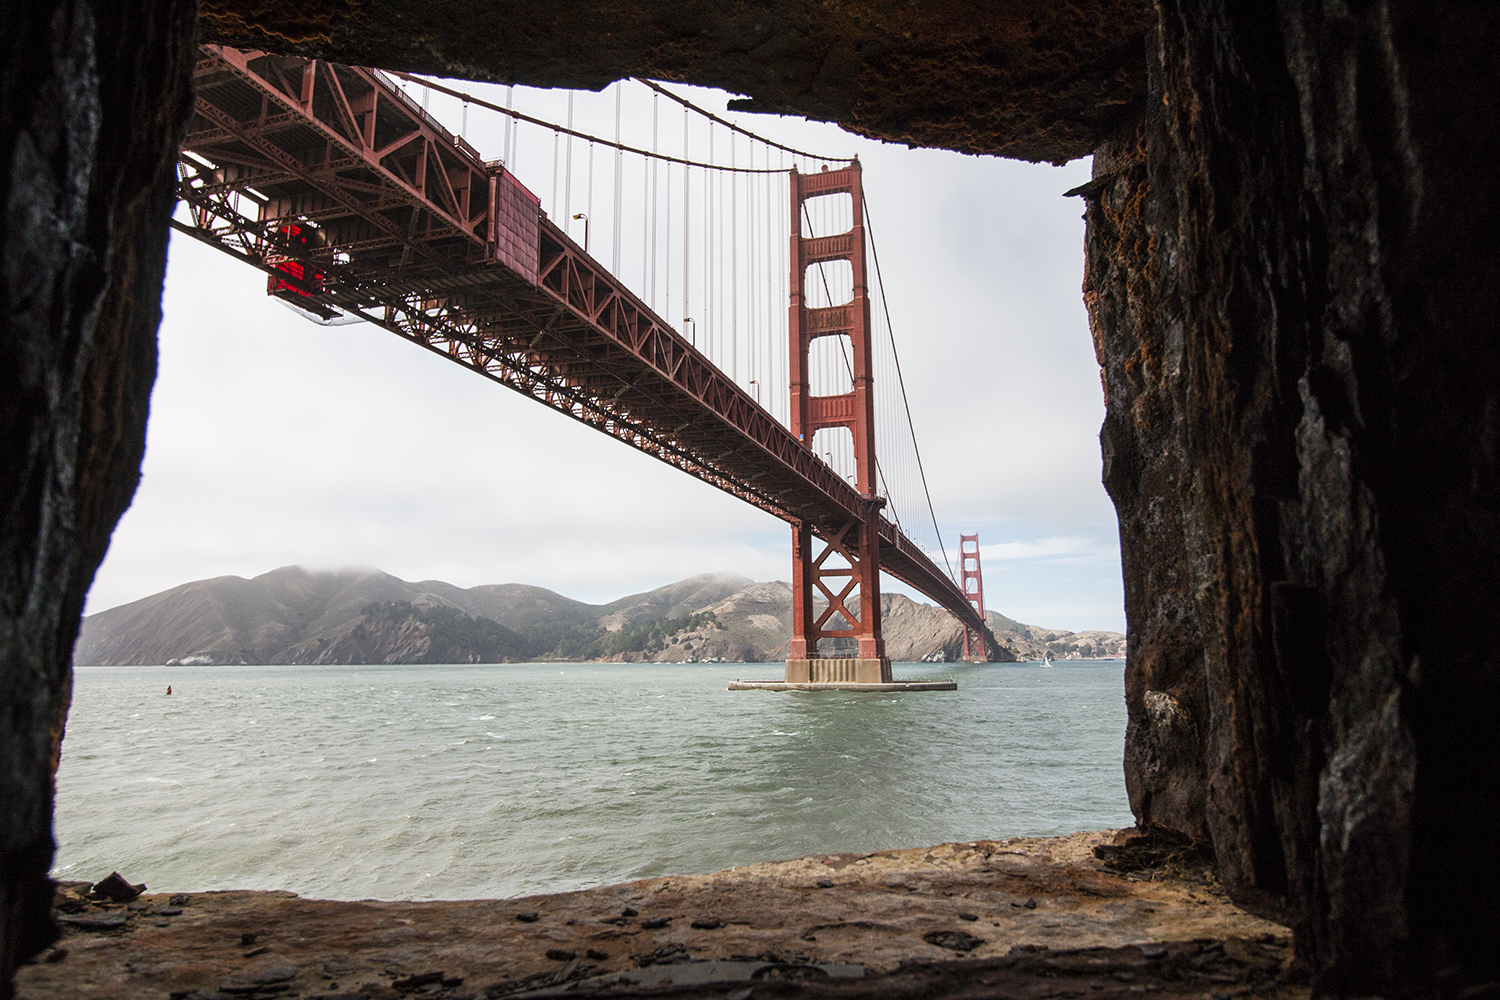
(493, 781)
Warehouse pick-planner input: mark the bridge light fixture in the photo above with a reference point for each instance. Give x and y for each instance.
(585, 218)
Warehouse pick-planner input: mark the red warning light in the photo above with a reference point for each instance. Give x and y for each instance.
(309, 281)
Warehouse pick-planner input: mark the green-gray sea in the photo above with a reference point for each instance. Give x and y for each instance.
(451, 782)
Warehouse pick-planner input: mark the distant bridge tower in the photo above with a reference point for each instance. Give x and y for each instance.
(849, 561)
(972, 584)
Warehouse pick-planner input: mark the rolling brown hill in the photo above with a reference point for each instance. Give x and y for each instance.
(293, 615)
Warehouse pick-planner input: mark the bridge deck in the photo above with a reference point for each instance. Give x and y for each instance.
(417, 233)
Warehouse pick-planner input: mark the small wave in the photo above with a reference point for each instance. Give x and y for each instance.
(485, 718)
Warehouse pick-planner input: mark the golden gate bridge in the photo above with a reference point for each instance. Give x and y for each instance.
(360, 206)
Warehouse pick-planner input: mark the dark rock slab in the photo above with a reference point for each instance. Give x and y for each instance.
(107, 921)
(116, 889)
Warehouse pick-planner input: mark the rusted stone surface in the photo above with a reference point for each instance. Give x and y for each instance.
(985, 902)
(1028, 78)
(1286, 283)
(93, 97)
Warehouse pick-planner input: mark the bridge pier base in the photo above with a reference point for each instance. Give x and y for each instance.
(839, 670)
(829, 673)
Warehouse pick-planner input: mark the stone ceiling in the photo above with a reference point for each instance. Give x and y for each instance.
(1029, 79)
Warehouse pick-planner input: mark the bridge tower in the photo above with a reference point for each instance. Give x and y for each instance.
(972, 585)
(848, 560)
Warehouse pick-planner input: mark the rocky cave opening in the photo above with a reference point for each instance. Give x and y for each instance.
(1291, 274)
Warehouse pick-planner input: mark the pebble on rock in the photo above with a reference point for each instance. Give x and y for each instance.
(953, 940)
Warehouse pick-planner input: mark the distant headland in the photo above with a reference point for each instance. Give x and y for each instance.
(298, 616)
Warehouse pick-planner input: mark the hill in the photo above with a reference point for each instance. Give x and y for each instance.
(293, 615)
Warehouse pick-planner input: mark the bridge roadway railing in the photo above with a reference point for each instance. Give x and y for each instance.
(419, 235)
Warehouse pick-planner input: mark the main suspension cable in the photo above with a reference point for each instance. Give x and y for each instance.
(731, 125)
(522, 116)
(885, 305)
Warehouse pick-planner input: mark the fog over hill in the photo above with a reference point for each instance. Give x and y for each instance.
(293, 615)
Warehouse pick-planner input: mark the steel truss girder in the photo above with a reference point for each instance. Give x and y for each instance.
(577, 341)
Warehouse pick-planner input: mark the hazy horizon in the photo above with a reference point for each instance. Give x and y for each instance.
(370, 570)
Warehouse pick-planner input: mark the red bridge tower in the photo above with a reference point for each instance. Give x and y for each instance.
(849, 561)
(972, 584)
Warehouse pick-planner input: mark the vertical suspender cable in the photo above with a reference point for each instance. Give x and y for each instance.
(510, 123)
(710, 247)
(655, 101)
(687, 298)
(645, 229)
(667, 252)
(752, 330)
(619, 182)
(567, 219)
(734, 267)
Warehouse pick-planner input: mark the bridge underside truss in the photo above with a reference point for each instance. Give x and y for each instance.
(420, 236)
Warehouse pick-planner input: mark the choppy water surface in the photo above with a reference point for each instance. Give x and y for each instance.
(448, 782)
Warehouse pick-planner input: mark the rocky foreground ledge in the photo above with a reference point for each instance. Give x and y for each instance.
(1015, 918)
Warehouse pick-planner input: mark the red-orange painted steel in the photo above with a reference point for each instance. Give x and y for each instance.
(422, 236)
(972, 583)
(854, 544)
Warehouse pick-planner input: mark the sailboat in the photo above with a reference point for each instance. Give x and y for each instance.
(1046, 657)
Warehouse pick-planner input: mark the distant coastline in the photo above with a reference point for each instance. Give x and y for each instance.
(296, 616)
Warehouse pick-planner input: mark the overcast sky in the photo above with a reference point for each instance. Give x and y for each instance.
(274, 441)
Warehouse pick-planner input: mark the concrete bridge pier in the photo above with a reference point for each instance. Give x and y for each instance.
(839, 670)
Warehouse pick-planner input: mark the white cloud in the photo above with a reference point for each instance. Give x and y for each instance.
(1077, 549)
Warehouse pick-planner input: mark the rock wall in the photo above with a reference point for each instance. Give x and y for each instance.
(93, 98)
(1028, 78)
(1291, 278)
